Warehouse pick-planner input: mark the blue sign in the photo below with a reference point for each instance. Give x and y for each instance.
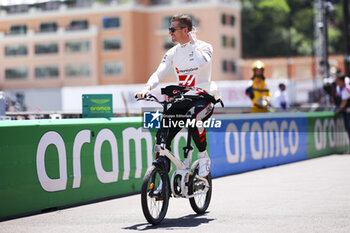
(248, 144)
(151, 120)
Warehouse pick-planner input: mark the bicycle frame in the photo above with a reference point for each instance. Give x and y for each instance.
(182, 169)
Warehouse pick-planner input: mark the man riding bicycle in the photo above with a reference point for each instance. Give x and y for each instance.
(191, 60)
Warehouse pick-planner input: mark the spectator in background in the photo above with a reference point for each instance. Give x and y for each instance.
(343, 94)
(280, 99)
(258, 91)
(330, 87)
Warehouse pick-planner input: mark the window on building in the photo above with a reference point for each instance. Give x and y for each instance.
(18, 29)
(228, 19)
(233, 42)
(111, 22)
(224, 41)
(224, 66)
(232, 20)
(229, 66)
(223, 19)
(15, 9)
(79, 3)
(48, 6)
(76, 25)
(16, 50)
(47, 48)
(42, 72)
(112, 44)
(233, 66)
(159, 2)
(167, 43)
(77, 46)
(16, 73)
(78, 70)
(48, 27)
(112, 68)
(228, 41)
(166, 22)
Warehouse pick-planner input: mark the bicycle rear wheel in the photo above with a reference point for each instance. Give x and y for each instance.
(155, 195)
(200, 202)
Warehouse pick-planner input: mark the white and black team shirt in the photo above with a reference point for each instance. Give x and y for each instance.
(344, 94)
(191, 63)
(280, 101)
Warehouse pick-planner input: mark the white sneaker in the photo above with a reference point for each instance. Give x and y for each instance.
(204, 164)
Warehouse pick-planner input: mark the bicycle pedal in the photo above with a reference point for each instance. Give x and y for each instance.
(159, 198)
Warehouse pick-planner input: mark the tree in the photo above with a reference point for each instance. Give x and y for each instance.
(262, 32)
(273, 28)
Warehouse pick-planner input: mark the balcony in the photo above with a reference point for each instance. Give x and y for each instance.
(65, 6)
(61, 33)
(6, 9)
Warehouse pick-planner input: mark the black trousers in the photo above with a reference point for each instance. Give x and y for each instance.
(199, 110)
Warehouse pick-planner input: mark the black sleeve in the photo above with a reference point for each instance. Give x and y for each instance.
(249, 92)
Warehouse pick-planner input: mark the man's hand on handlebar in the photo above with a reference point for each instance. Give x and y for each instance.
(141, 95)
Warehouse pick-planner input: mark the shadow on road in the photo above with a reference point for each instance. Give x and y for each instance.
(192, 220)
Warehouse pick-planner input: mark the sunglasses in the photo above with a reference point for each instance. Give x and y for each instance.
(173, 29)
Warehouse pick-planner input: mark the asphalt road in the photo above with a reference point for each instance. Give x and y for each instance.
(308, 196)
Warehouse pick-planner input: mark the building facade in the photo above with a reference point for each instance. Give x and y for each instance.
(111, 42)
(292, 68)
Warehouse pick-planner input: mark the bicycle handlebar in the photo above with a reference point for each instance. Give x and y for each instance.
(177, 98)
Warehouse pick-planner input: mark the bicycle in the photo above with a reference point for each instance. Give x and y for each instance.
(185, 181)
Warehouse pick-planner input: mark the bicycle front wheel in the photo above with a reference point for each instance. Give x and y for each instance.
(155, 195)
(200, 202)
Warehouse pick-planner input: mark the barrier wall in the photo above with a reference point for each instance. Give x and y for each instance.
(254, 141)
(326, 134)
(52, 163)
(248, 143)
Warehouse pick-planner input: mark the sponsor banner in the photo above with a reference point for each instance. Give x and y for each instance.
(326, 135)
(257, 141)
(47, 163)
(52, 163)
(97, 105)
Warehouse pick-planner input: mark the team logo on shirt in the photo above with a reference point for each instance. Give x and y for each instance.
(185, 71)
(187, 80)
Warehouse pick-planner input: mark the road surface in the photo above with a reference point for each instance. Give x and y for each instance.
(308, 196)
